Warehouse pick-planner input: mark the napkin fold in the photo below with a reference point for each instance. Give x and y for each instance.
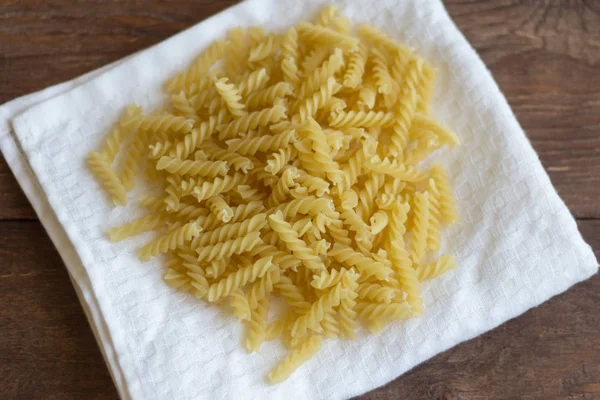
(516, 245)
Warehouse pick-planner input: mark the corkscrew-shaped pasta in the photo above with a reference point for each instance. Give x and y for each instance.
(394, 169)
(219, 208)
(320, 34)
(257, 329)
(352, 170)
(356, 224)
(262, 50)
(170, 241)
(356, 67)
(230, 231)
(367, 195)
(383, 311)
(320, 75)
(381, 73)
(330, 325)
(226, 249)
(361, 119)
(262, 143)
(112, 143)
(339, 233)
(107, 178)
(296, 245)
(276, 161)
(309, 205)
(326, 16)
(408, 100)
(240, 305)
(433, 233)
(313, 184)
(207, 189)
(347, 305)
(133, 158)
(253, 82)
(183, 106)
(261, 288)
(208, 169)
(446, 199)
(231, 96)
(252, 121)
(237, 161)
(364, 264)
(268, 96)
(444, 135)
(282, 259)
(159, 149)
(375, 292)
(217, 268)
(313, 60)
(420, 227)
(311, 320)
(282, 188)
(379, 38)
(327, 279)
(198, 68)
(436, 268)
(174, 193)
(310, 105)
(137, 226)
(379, 221)
(320, 150)
(239, 278)
(401, 261)
(290, 71)
(152, 203)
(168, 123)
(292, 295)
(296, 358)
(192, 140)
(289, 45)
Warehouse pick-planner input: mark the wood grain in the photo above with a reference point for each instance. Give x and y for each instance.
(545, 56)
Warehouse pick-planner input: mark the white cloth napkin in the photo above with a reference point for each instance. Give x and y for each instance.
(516, 246)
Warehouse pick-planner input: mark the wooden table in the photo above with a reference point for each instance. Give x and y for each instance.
(545, 56)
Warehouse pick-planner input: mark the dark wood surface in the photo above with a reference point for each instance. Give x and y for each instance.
(545, 56)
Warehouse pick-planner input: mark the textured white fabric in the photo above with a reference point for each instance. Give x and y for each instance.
(516, 245)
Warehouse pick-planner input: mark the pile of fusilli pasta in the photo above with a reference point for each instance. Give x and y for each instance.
(289, 170)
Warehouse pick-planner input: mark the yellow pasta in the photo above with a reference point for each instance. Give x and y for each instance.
(107, 178)
(289, 167)
(295, 359)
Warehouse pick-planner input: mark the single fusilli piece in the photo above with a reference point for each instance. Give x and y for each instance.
(327, 36)
(227, 249)
(297, 246)
(231, 96)
(230, 231)
(312, 319)
(420, 227)
(257, 327)
(170, 241)
(446, 199)
(296, 358)
(361, 119)
(238, 279)
(364, 264)
(207, 169)
(262, 143)
(436, 268)
(107, 178)
(137, 226)
(252, 121)
(219, 208)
